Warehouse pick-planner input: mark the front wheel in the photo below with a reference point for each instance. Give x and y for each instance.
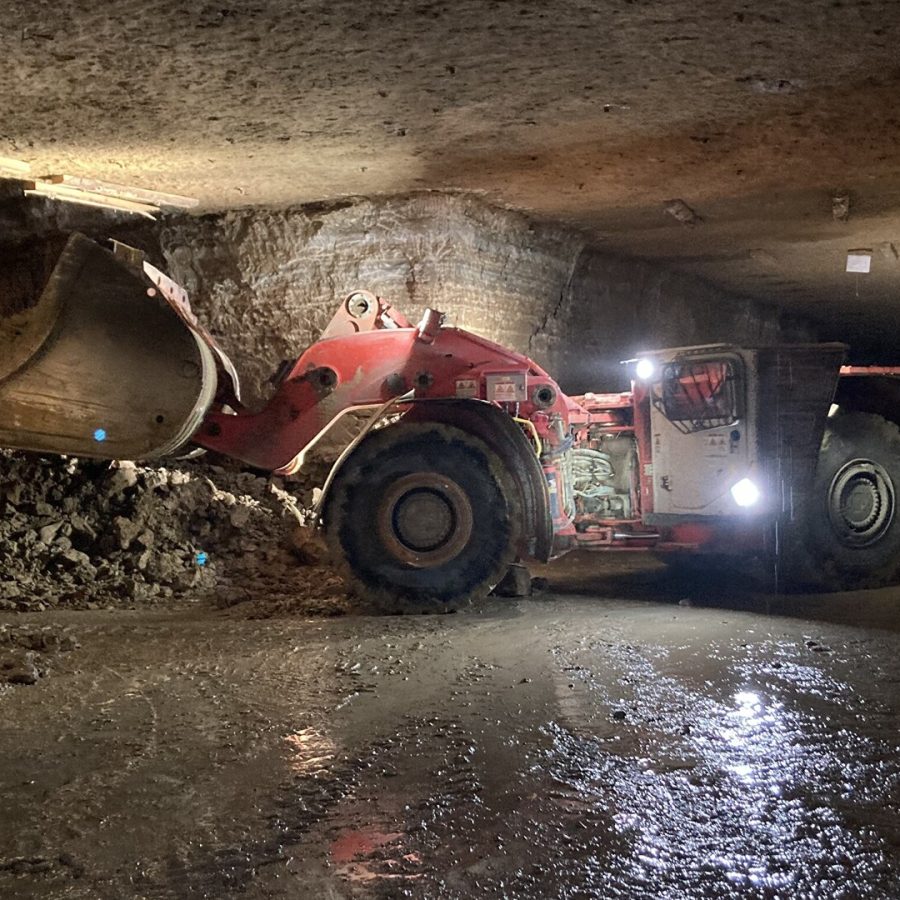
(423, 516)
(850, 534)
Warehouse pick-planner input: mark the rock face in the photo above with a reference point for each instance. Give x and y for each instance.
(268, 281)
(80, 534)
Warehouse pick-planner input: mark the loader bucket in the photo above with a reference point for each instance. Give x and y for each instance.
(94, 361)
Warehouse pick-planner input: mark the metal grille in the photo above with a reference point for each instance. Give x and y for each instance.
(698, 395)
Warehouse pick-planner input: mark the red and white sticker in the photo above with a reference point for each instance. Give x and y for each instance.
(506, 387)
(466, 387)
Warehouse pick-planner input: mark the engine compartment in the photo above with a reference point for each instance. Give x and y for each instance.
(603, 476)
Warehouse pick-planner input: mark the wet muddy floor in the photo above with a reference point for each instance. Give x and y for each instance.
(618, 736)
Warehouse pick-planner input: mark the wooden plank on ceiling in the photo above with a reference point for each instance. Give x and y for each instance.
(139, 195)
(13, 168)
(86, 198)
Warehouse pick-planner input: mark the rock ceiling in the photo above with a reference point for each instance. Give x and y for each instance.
(774, 126)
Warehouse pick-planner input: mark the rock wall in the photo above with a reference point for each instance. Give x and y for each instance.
(613, 309)
(267, 281)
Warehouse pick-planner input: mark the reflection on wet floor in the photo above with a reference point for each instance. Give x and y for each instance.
(751, 787)
(309, 751)
(754, 802)
(756, 784)
(559, 747)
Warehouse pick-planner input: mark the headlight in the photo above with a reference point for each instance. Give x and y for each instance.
(745, 493)
(645, 369)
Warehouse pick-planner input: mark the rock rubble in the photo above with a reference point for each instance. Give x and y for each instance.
(26, 651)
(84, 534)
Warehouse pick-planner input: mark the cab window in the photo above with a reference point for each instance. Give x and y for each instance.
(698, 394)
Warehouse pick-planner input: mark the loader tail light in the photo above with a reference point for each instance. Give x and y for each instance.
(745, 493)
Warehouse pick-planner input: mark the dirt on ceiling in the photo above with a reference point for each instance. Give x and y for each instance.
(596, 113)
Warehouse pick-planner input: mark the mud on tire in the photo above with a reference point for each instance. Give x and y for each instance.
(422, 517)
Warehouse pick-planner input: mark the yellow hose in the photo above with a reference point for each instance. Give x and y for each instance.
(534, 432)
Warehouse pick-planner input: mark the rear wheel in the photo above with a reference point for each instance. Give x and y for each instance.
(850, 536)
(422, 516)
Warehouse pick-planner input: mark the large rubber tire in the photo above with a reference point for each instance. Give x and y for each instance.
(850, 535)
(423, 516)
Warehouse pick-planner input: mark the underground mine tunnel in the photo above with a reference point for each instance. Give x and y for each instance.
(449, 450)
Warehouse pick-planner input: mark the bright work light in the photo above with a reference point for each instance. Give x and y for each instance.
(645, 369)
(745, 493)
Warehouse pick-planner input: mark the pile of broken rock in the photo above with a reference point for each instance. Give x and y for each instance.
(84, 534)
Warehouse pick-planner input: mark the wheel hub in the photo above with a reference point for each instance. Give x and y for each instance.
(425, 519)
(861, 503)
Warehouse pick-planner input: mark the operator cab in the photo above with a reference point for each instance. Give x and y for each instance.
(703, 442)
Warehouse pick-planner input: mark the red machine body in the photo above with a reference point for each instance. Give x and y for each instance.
(370, 355)
(596, 451)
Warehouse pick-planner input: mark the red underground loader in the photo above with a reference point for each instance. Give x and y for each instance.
(471, 457)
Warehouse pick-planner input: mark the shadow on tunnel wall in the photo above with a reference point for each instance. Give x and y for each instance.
(614, 308)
